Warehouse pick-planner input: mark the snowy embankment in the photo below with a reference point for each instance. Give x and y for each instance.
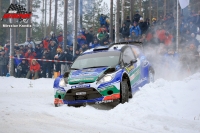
(164, 106)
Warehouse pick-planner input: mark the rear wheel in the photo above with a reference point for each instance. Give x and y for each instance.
(124, 92)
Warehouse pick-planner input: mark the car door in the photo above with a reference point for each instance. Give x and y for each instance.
(131, 66)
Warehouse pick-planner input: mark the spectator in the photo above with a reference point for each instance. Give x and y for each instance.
(76, 55)
(60, 57)
(7, 48)
(146, 26)
(89, 37)
(3, 64)
(136, 29)
(30, 54)
(127, 22)
(46, 42)
(38, 51)
(136, 17)
(46, 68)
(124, 31)
(54, 38)
(194, 40)
(29, 42)
(95, 44)
(102, 20)
(22, 69)
(192, 27)
(60, 37)
(17, 59)
(102, 36)
(34, 70)
(81, 39)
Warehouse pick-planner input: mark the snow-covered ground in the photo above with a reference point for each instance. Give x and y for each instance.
(26, 106)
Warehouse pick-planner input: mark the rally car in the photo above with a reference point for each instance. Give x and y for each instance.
(104, 74)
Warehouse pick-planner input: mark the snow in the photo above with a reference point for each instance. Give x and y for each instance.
(163, 106)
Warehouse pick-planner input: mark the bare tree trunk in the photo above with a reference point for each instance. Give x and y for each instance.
(140, 6)
(150, 11)
(117, 21)
(28, 29)
(131, 9)
(56, 8)
(49, 29)
(75, 26)
(157, 9)
(111, 20)
(11, 61)
(165, 4)
(45, 19)
(65, 24)
(43, 16)
(81, 13)
(123, 12)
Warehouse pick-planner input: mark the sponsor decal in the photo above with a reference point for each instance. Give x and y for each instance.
(107, 101)
(132, 77)
(130, 68)
(81, 86)
(16, 11)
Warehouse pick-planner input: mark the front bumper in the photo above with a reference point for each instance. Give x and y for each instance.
(88, 93)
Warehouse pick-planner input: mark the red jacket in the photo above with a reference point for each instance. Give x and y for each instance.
(46, 44)
(168, 40)
(35, 67)
(60, 38)
(30, 56)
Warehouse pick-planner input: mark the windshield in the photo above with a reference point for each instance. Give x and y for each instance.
(97, 60)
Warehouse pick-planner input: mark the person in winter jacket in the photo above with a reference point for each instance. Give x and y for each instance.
(95, 44)
(102, 20)
(136, 17)
(3, 64)
(60, 37)
(127, 22)
(34, 70)
(76, 55)
(30, 42)
(136, 29)
(54, 38)
(30, 55)
(60, 57)
(81, 39)
(46, 42)
(124, 31)
(22, 69)
(46, 68)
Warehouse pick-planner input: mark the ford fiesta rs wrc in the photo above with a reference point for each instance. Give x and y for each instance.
(104, 74)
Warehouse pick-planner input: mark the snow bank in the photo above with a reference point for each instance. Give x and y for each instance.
(163, 106)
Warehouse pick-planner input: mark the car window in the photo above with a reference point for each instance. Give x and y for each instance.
(128, 56)
(136, 50)
(97, 59)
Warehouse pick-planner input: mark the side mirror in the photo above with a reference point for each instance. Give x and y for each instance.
(133, 61)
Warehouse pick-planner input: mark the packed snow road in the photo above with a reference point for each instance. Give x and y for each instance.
(26, 106)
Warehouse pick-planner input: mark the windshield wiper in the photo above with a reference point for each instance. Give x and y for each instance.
(74, 69)
(95, 67)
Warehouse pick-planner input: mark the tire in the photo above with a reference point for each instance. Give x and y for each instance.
(151, 75)
(124, 92)
(56, 105)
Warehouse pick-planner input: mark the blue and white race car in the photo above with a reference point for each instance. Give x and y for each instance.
(104, 74)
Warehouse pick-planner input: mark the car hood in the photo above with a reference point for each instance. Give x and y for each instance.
(85, 75)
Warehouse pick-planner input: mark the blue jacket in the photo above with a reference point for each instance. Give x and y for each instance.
(94, 45)
(136, 29)
(17, 60)
(102, 20)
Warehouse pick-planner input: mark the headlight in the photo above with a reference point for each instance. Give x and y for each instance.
(62, 83)
(107, 78)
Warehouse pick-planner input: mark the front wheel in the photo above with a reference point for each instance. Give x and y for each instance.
(124, 92)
